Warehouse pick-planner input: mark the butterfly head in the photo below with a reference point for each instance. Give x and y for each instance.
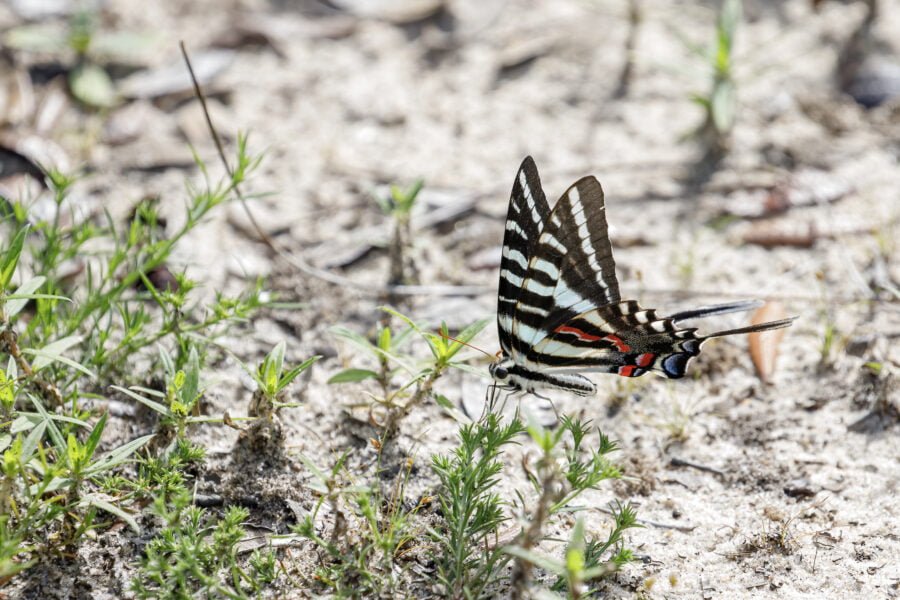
(502, 369)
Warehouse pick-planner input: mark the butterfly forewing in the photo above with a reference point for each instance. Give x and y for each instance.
(572, 268)
(528, 210)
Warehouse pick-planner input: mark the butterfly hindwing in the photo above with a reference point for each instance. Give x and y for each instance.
(622, 338)
(528, 211)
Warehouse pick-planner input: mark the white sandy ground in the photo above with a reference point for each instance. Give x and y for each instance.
(337, 117)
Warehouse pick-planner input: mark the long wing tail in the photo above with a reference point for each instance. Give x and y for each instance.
(753, 328)
(716, 309)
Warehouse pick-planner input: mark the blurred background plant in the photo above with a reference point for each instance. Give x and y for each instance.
(86, 51)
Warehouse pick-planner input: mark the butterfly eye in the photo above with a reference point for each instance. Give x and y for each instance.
(500, 373)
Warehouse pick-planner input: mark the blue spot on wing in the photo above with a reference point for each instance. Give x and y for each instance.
(675, 365)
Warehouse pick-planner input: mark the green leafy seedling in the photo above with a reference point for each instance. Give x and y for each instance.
(272, 380)
(399, 205)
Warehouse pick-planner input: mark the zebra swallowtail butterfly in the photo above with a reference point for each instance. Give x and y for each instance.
(559, 312)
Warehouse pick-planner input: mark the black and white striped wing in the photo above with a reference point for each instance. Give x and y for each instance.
(528, 210)
(571, 269)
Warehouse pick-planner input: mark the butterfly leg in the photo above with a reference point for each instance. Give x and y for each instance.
(490, 398)
(549, 401)
(493, 394)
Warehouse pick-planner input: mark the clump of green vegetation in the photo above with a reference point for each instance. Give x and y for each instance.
(563, 472)
(372, 531)
(398, 205)
(63, 345)
(196, 554)
(397, 400)
(272, 381)
(471, 560)
(719, 103)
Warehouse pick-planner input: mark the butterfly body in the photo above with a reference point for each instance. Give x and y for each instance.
(559, 312)
(518, 378)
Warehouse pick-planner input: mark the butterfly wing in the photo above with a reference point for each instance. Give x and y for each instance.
(571, 269)
(628, 340)
(621, 338)
(528, 210)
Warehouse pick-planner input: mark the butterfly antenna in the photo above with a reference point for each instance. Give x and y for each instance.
(453, 339)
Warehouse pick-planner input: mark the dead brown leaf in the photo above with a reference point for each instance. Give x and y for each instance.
(764, 344)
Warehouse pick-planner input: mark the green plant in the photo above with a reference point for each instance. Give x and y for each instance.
(398, 205)
(196, 554)
(69, 468)
(384, 350)
(720, 102)
(178, 405)
(272, 381)
(108, 323)
(265, 436)
(58, 479)
(470, 558)
(585, 559)
(371, 530)
(92, 47)
(563, 472)
(398, 400)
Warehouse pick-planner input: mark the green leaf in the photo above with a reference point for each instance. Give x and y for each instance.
(356, 339)
(190, 388)
(465, 336)
(118, 456)
(16, 304)
(384, 339)
(123, 45)
(29, 446)
(54, 431)
(539, 560)
(94, 438)
(151, 404)
(7, 392)
(723, 104)
(293, 373)
(448, 407)
(575, 559)
(443, 402)
(49, 38)
(52, 351)
(426, 335)
(729, 19)
(352, 376)
(147, 391)
(23, 423)
(91, 85)
(276, 363)
(57, 483)
(480, 371)
(321, 479)
(369, 348)
(34, 418)
(99, 501)
(11, 258)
